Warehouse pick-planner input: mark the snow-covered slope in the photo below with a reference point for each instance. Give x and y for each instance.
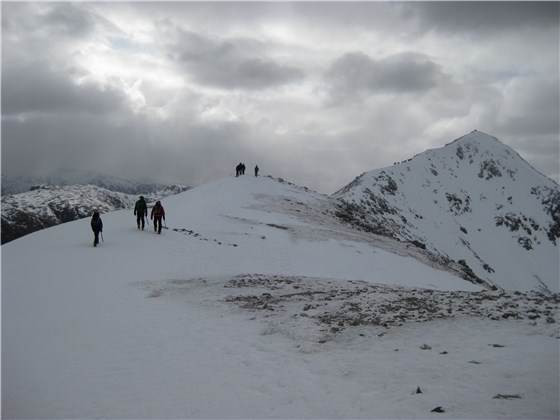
(256, 303)
(474, 201)
(48, 205)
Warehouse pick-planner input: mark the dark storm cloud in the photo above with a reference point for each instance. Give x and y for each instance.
(355, 75)
(39, 88)
(484, 17)
(230, 64)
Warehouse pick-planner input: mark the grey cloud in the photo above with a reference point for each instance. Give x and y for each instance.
(483, 17)
(69, 19)
(178, 151)
(412, 18)
(356, 75)
(534, 108)
(39, 88)
(52, 20)
(230, 64)
(542, 151)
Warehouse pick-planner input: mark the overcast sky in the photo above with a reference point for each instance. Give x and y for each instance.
(314, 92)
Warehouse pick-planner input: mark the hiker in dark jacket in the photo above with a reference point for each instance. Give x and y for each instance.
(96, 226)
(157, 214)
(238, 169)
(140, 211)
(242, 169)
(257, 170)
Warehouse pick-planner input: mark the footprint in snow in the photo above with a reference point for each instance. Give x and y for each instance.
(506, 396)
(155, 293)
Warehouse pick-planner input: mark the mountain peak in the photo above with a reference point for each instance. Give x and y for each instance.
(475, 136)
(480, 141)
(473, 200)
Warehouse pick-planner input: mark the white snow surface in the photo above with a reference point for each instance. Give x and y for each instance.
(457, 201)
(103, 332)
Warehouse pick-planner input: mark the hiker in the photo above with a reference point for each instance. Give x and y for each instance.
(257, 170)
(157, 214)
(242, 169)
(238, 169)
(140, 211)
(96, 226)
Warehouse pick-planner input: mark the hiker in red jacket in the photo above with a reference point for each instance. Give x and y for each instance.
(156, 215)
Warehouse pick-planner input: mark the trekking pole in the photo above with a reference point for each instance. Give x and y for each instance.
(102, 240)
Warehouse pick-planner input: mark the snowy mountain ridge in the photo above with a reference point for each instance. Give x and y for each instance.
(48, 205)
(66, 177)
(474, 201)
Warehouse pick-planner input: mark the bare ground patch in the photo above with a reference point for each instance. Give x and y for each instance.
(329, 307)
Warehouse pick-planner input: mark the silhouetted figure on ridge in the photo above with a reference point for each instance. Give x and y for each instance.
(257, 170)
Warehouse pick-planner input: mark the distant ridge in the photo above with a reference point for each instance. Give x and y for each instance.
(19, 184)
(48, 205)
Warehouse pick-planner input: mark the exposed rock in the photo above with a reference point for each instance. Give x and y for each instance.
(489, 169)
(342, 305)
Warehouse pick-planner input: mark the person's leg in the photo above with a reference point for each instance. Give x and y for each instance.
(96, 237)
(138, 220)
(142, 218)
(159, 225)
